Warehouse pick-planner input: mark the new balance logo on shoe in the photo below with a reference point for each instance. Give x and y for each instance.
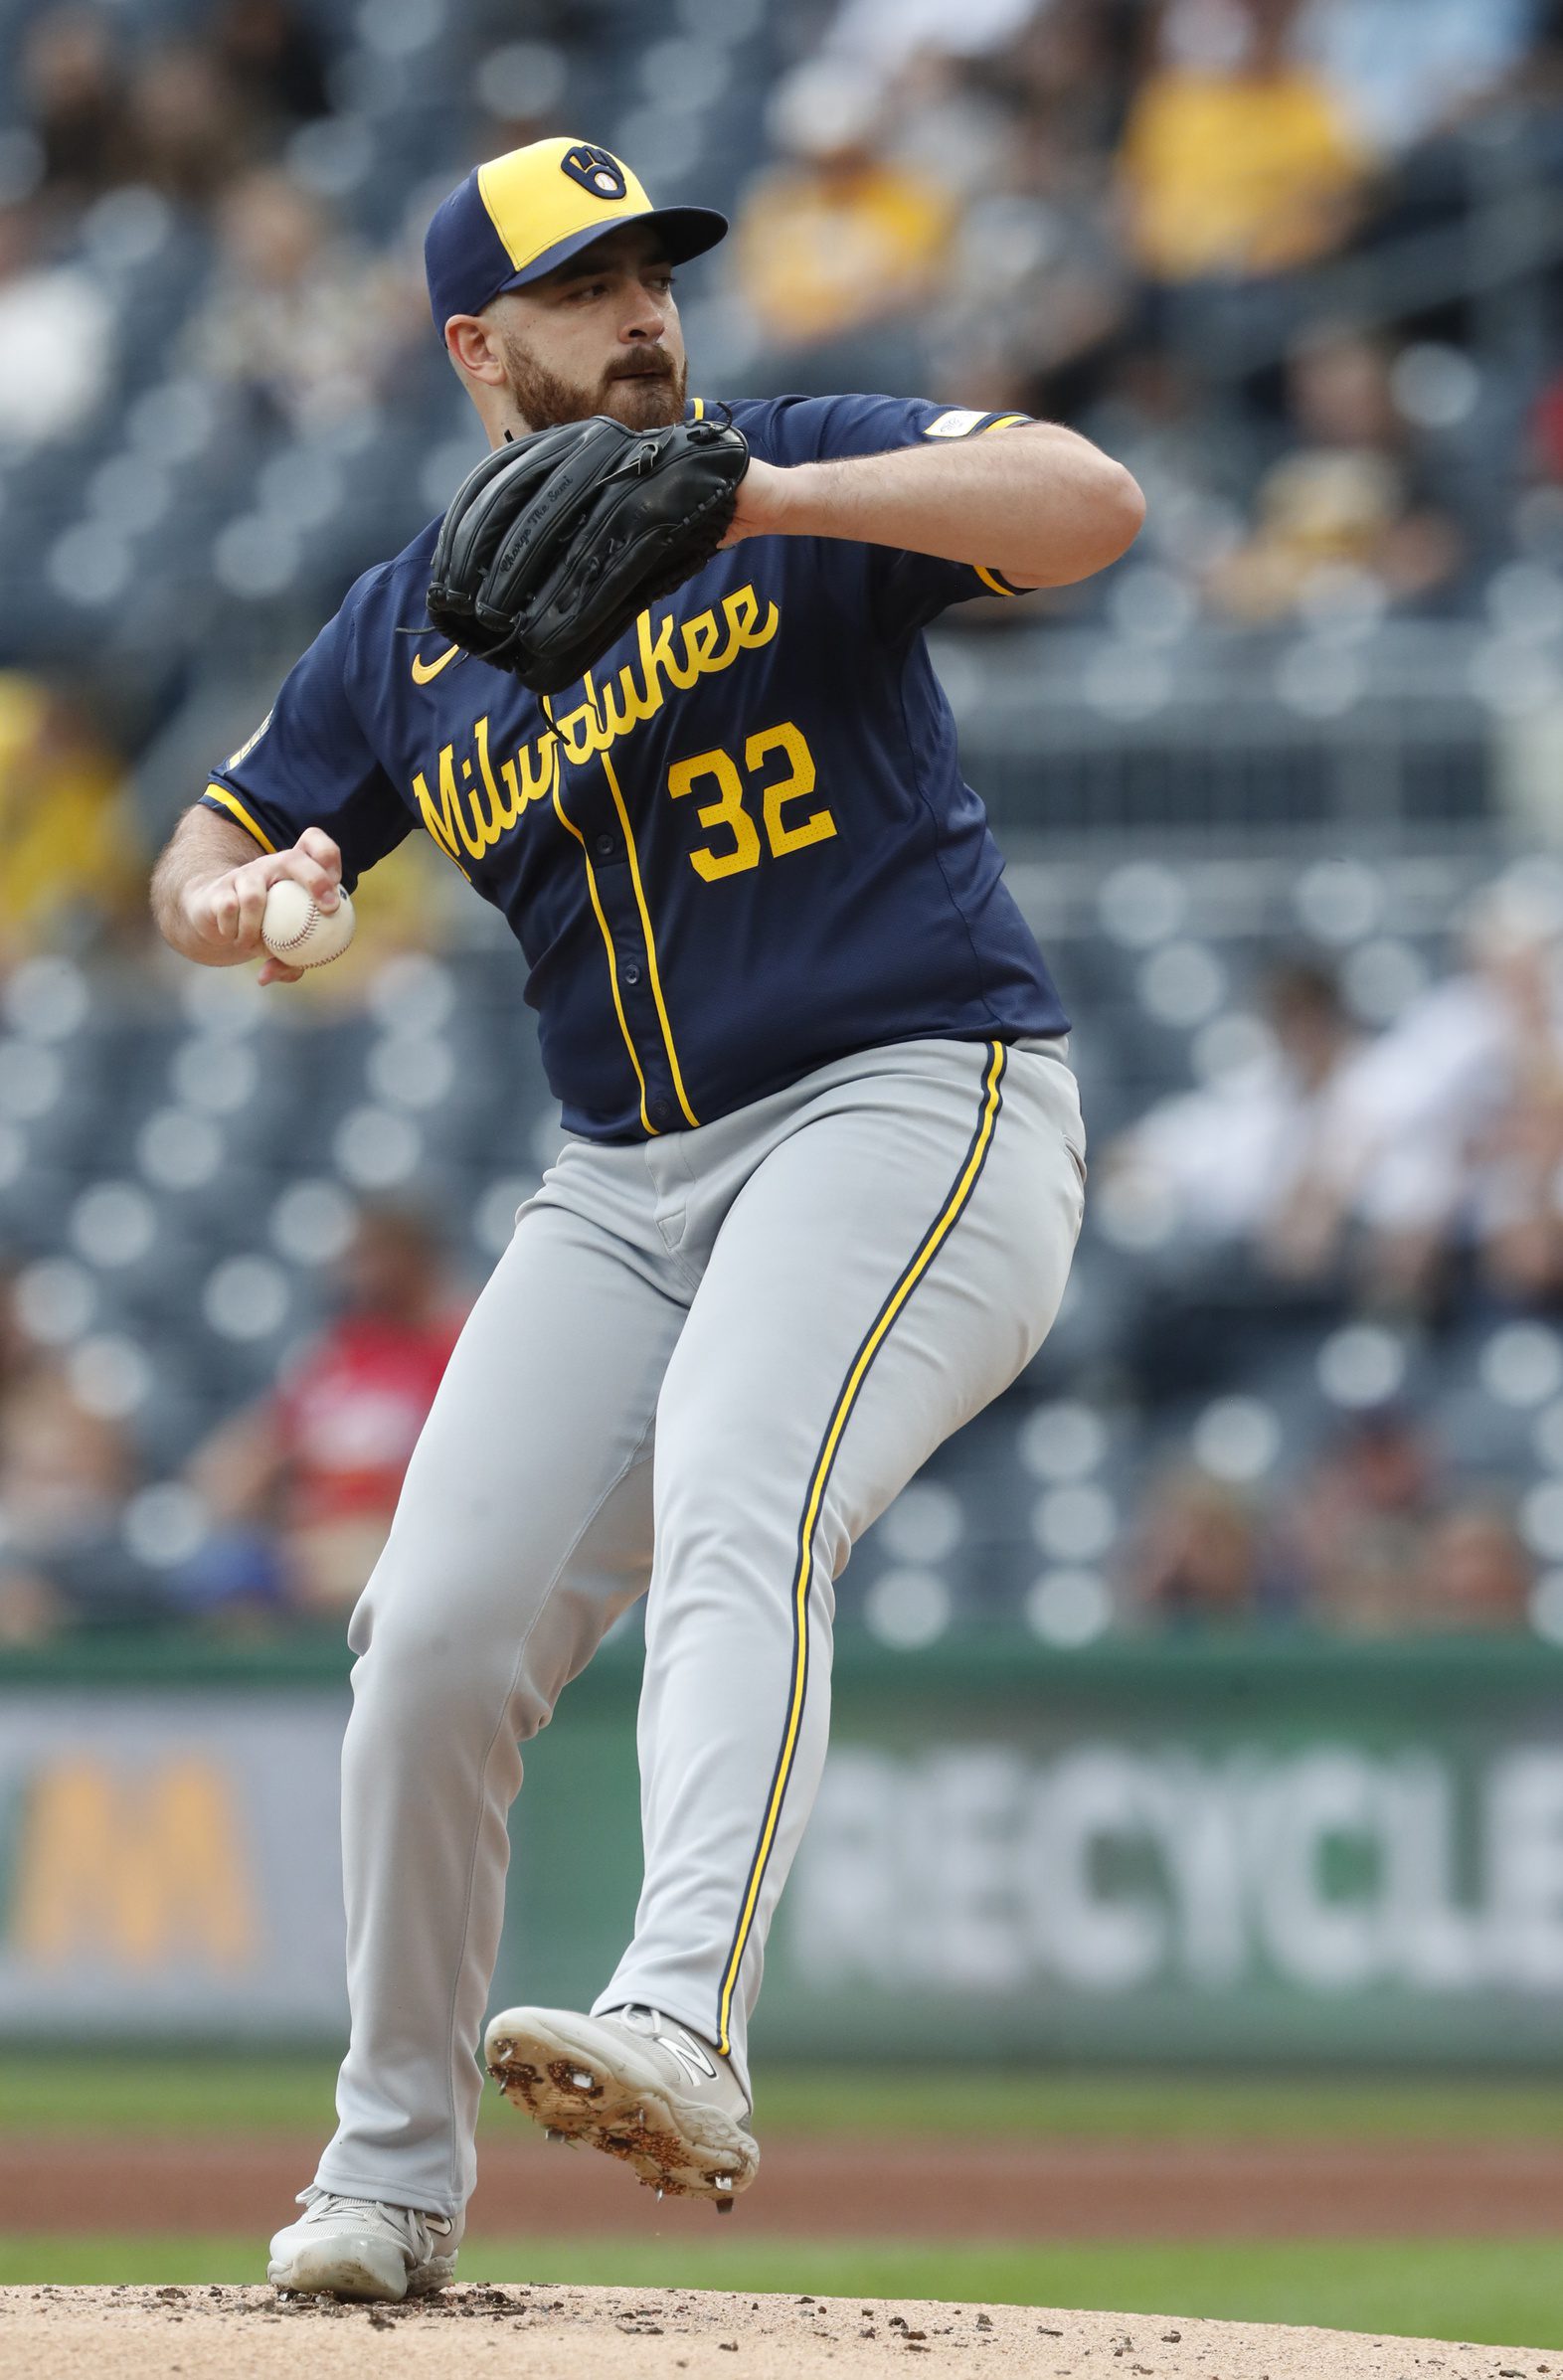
(691, 2057)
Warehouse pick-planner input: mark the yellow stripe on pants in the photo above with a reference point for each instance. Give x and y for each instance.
(961, 1192)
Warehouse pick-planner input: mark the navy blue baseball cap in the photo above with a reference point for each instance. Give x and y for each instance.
(517, 217)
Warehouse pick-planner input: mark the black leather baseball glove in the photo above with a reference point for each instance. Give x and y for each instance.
(554, 543)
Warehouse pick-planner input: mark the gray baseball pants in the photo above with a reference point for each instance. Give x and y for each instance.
(703, 1366)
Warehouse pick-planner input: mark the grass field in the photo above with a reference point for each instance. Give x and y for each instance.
(1499, 2292)
(198, 2092)
(1494, 2292)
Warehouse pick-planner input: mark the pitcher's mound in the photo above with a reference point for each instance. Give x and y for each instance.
(556, 2333)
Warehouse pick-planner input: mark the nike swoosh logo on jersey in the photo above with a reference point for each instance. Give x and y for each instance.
(423, 670)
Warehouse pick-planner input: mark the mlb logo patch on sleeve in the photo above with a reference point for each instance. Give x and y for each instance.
(955, 425)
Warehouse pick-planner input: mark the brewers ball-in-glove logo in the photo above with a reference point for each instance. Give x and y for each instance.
(594, 170)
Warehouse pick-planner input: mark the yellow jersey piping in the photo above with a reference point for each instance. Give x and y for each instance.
(232, 803)
(645, 927)
(956, 1202)
(699, 404)
(607, 938)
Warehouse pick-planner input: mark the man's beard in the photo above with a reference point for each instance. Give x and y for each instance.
(641, 400)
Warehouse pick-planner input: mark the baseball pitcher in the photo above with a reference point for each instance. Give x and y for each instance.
(657, 687)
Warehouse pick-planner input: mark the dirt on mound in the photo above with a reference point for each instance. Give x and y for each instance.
(556, 2334)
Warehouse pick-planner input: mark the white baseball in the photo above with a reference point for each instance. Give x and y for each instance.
(296, 930)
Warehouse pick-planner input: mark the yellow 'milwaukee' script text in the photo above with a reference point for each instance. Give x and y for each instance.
(477, 804)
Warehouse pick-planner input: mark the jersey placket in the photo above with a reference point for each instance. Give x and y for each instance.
(598, 816)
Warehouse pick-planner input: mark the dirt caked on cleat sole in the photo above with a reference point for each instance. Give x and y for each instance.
(608, 2085)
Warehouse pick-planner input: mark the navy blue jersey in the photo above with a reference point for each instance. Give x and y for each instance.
(739, 849)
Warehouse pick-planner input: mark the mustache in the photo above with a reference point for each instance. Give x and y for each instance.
(656, 366)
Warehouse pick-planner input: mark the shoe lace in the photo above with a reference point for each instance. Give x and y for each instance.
(321, 2204)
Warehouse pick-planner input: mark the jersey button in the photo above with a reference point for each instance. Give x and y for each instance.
(631, 973)
(605, 844)
(659, 1112)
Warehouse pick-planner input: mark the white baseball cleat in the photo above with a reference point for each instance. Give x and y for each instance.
(363, 2248)
(636, 2084)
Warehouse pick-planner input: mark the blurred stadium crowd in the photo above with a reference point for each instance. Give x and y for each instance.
(1280, 790)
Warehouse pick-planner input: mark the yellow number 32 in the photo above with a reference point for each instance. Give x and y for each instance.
(729, 812)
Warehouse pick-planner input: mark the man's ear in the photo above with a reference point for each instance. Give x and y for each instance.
(472, 348)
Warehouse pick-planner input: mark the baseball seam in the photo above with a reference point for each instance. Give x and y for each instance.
(295, 941)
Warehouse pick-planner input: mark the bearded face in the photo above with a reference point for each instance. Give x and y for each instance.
(599, 334)
(643, 387)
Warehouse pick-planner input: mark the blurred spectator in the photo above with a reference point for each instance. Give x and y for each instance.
(72, 79)
(192, 132)
(56, 336)
(1252, 1158)
(65, 1473)
(1238, 160)
(1370, 1541)
(1350, 1542)
(1073, 67)
(274, 60)
(938, 119)
(1517, 1136)
(884, 34)
(70, 862)
(1405, 72)
(1035, 284)
(1456, 1133)
(836, 239)
(1379, 1162)
(1196, 1555)
(1478, 1574)
(1546, 431)
(1346, 511)
(285, 286)
(302, 1487)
